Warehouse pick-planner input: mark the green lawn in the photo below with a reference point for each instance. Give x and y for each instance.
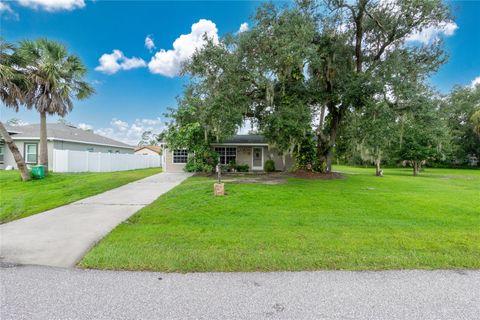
(21, 199)
(359, 223)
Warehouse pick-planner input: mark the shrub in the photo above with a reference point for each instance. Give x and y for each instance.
(243, 168)
(193, 166)
(202, 159)
(232, 166)
(269, 166)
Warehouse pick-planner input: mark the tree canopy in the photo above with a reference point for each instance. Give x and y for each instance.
(311, 74)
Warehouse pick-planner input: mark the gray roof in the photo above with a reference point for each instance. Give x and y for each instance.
(62, 132)
(246, 139)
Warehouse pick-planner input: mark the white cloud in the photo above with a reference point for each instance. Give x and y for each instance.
(475, 82)
(243, 27)
(7, 10)
(116, 61)
(85, 126)
(149, 44)
(130, 133)
(119, 124)
(53, 5)
(433, 33)
(169, 63)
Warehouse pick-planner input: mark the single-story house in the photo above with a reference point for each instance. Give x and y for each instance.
(252, 150)
(59, 137)
(148, 150)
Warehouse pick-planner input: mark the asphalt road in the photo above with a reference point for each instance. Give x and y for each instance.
(34, 292)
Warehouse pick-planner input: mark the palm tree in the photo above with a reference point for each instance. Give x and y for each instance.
(55, 78)
(12, 88)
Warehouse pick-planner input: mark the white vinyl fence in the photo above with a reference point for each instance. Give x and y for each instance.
(85, 161)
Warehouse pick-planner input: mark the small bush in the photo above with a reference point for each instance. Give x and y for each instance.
(243, 168)
(269, 166)
(203, 159)
(198, 167)
(232, 166)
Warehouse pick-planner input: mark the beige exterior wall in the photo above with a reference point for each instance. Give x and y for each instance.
(244, 156)
(168, 165)
(282, 163)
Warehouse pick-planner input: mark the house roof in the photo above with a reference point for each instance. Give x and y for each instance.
(246, 139)
(156, 149)
(62, 132)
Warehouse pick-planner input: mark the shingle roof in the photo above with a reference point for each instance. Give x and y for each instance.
(246, 139)
(62, 132)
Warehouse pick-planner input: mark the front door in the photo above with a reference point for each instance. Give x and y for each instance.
(257, 158)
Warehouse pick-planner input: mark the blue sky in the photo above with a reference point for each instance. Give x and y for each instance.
(133, 91)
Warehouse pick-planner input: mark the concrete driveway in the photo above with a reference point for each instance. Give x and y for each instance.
(33, 292)
(61, 236)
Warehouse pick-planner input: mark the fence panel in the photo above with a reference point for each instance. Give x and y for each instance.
(84, 161)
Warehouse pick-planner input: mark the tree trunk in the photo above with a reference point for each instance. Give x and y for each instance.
(336, 119)
(415, 168)
(378, 169)
(22, 167)
(43, 141)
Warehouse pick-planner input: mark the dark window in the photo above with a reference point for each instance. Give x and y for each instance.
(180, 156)
(2, 153)
(226, 154)
(31, 152)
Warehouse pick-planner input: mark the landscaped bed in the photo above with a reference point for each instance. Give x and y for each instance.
(361, 222)
(21, 199)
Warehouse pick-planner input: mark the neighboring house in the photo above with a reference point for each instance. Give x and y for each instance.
(59, 137)
(252, 150)
(148, 150)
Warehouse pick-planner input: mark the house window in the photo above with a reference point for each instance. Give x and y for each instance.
(31, 152)
(226, 154)
(2, 153)
(90, 149)
(110, 151)
(180, 156)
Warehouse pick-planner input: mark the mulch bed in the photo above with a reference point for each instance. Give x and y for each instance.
(316, 175)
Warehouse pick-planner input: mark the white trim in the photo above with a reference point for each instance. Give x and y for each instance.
(258, 168)
(25, 149)
(77, 141)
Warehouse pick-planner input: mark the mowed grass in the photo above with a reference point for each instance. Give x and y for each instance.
(21, 199)
(361, 222)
